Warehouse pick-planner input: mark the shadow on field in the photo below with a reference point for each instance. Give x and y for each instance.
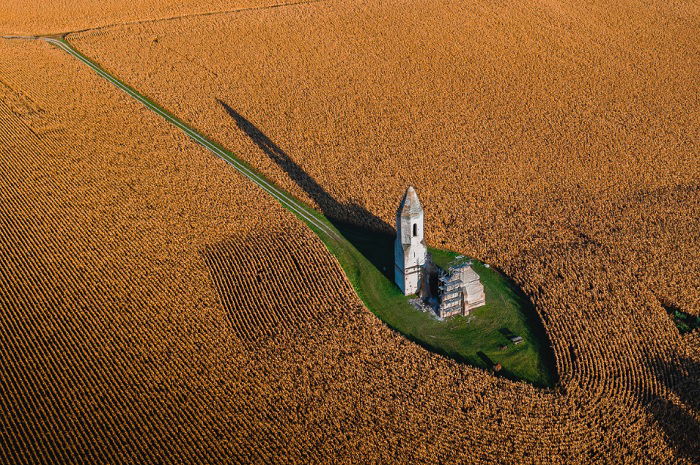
(677, 418)
(685, 322)
(372, 236)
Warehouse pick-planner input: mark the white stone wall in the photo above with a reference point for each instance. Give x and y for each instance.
(409, 264)
(474, 295)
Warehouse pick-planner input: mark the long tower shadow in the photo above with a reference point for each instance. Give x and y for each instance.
(372, 236)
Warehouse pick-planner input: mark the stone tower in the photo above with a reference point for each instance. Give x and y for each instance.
(410, 252)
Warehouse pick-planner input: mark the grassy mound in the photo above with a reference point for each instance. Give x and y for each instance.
(481, 339)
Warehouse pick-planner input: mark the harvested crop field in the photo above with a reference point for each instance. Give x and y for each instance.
(110, 319)
(521, 124)
(557, 141)
(270, 291)
(32, 17)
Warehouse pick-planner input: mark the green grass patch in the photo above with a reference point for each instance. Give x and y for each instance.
(480, 339)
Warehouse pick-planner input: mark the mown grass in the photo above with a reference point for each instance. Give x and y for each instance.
(481, 339)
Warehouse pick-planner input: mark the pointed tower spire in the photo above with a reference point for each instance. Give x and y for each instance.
(410, 205)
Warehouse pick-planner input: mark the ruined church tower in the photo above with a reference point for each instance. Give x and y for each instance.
(409, 247)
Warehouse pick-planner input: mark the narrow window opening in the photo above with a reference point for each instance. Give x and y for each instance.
(415, 229)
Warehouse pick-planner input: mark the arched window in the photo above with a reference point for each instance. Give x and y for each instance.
(415, 229)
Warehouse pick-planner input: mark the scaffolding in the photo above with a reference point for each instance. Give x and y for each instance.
(453, 289)
(450, 286)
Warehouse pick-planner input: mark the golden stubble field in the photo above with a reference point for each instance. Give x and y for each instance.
(115, 347)
(555, 141)
(30, 17)
(521, 124)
